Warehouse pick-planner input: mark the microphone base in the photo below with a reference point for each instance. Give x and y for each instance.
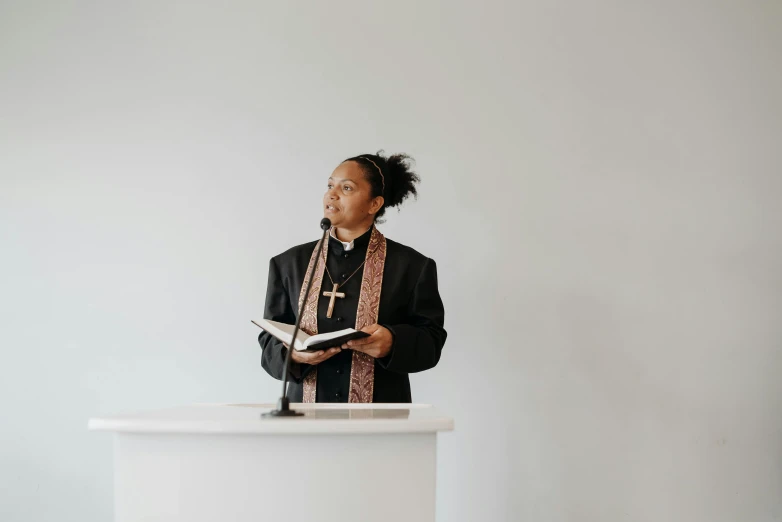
(281, 413)
(283, 410)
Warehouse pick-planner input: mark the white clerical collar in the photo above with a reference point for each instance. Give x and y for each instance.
(347, 246)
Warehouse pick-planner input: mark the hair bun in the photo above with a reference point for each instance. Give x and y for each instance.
(390, 176)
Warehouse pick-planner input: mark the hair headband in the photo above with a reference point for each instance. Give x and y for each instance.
(382, 178)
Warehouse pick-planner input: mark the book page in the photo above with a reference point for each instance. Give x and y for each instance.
(284, 332)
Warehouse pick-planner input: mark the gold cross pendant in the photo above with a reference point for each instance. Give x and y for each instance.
(333, 295)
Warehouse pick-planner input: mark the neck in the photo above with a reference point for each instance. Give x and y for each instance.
(349, 234)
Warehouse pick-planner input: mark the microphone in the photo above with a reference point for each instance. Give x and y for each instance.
(283, 404)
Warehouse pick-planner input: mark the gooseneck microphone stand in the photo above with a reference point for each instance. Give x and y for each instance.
(283, 404)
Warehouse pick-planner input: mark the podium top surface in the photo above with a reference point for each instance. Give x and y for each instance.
(231, 419)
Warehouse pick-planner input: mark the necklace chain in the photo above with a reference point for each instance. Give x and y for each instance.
(348, 278)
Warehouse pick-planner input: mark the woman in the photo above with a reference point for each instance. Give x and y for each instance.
(367, 282)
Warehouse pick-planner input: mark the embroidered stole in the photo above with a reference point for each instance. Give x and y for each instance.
(362, 368)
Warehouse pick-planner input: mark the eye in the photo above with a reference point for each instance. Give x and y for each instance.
(348, 187)
(329, 185)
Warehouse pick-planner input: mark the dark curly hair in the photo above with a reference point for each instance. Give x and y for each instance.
(397, 177)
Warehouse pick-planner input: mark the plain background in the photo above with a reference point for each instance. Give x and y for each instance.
(601, 191)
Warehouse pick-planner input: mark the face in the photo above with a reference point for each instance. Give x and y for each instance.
(348, 201)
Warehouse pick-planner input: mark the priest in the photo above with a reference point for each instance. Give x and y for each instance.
(363, 281)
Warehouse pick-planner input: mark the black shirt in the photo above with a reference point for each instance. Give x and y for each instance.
(410, 307)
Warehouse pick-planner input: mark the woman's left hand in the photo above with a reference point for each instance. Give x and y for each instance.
(377, 345)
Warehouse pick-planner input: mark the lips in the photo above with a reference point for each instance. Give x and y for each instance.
(331, 208)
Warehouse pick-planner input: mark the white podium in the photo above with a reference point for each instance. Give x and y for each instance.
(340, 462)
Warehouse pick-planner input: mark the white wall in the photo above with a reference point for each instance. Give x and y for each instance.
(601, 187)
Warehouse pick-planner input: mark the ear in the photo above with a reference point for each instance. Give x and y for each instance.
(376, 205)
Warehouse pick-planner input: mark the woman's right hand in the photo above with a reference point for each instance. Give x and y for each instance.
(313, 357)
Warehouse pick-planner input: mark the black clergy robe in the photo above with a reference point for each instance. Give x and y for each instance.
(410, 307)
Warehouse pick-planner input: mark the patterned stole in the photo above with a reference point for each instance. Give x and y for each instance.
(362, 368)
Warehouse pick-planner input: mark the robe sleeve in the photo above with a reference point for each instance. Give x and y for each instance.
(278, 308)
(418, 342)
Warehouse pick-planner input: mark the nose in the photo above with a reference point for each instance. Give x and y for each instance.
(331, 193)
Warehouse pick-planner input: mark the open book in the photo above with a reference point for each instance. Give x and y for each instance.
(311, 343)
